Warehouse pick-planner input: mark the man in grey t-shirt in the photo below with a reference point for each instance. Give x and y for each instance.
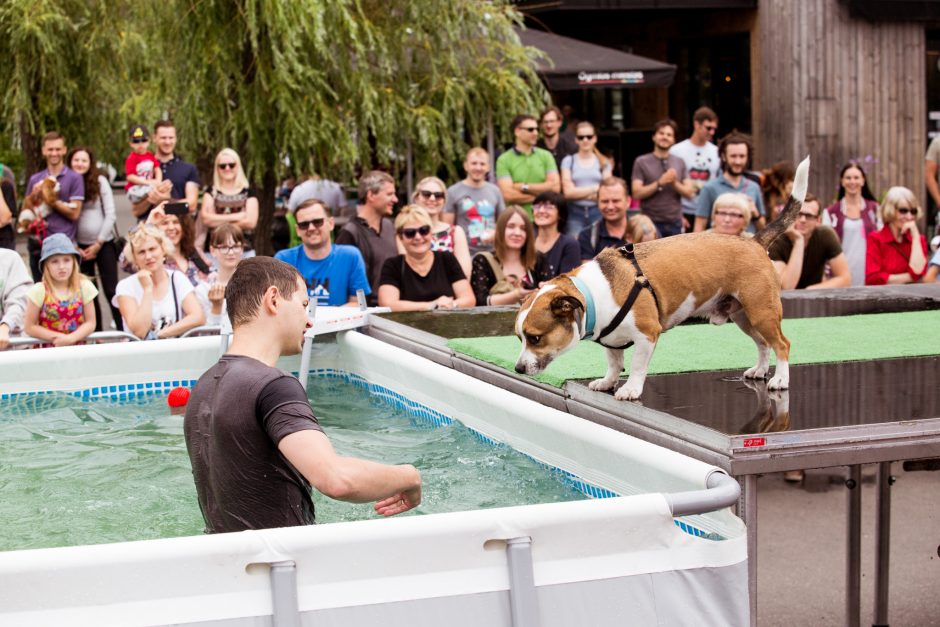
(474, 204)
(253, 441)
(660, 181)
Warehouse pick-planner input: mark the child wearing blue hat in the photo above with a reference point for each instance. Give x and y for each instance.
(60, 309)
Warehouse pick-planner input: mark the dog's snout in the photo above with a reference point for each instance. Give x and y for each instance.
(520, 368)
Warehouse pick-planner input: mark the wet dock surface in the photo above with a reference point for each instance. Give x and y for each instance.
(820, 396)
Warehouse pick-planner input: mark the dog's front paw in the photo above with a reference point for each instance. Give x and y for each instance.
(628, 392)
(779, 382)
(602, 385)
(757, 372)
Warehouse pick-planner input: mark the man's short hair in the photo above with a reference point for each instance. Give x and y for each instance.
(251, 280)
(519, 119)
(163, 124)
(736, 137)
(373, 182)
(52, 136)
(313, 202)
(616, 181)
(667, 122)
(810, 197)
(477, 150)
(551, 109)
(704, 114)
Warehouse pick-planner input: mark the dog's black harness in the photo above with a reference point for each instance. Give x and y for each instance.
(640, 282)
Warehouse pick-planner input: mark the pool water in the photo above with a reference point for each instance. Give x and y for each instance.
(75, 472)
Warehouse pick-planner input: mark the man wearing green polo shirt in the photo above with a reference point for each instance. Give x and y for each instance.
(525, 171)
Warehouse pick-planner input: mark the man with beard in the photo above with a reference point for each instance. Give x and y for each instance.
(735, 152)
(560, 144)
(660, 181)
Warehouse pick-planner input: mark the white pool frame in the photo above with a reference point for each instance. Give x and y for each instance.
(597, 562)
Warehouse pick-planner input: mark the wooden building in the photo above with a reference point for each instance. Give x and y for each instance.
(836, 79)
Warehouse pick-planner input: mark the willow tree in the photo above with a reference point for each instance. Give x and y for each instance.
(63, 66)
(336, 86)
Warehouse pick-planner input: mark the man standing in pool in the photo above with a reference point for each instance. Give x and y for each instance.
(255, 446)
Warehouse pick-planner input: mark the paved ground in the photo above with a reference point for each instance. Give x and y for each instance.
(801, 541)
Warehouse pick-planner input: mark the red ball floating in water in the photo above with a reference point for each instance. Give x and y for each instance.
(178, 397)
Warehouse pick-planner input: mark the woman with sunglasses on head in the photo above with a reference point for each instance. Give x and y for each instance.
(581, 176)
(421, 279)
(156, 302)
(854, 216)
(561, 251)
(174, 220)
(96, 228)
(515, 269)
(226, 245)
(230, 200)
(897, 253)
(431, 193)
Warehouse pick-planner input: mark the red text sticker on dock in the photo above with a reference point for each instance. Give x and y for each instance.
(749, 442)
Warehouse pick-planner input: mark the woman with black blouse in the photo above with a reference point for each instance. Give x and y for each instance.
(515, 269)
(421, 279)
(561, 251)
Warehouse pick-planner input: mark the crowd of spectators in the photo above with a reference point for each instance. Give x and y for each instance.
(553, 205)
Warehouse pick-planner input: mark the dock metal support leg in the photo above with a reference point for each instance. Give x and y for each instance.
(853, 571)
(883, 546)
(747, 510)
(523, 604)
(284, 594)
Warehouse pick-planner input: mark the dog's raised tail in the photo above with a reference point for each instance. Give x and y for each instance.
(775, 229)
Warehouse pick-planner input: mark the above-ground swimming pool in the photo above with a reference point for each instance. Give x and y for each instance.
(597, 561)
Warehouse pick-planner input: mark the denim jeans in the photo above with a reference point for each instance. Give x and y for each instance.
(667, 229)
(580, 217)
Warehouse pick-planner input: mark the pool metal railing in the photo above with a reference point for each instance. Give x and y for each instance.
(98, 337)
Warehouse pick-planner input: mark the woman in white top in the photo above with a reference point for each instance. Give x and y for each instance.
(155, 302)
(581, 176)
(95, 234)
(226, 245)
(854, 216)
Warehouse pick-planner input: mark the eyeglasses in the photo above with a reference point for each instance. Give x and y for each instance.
(424, 231)
(808, 216)
(544, 206)
(429, 195)
(228, 250)
(583, 137)
(529, 129)
(226, 166)
(906, 211)
(729, 214)
(711, 128)
(140, 140)
(303, 225)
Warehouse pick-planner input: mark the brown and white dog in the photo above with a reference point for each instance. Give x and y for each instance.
(38, 205)
(705, 275)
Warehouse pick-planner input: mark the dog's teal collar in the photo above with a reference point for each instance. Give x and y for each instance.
(589, 312)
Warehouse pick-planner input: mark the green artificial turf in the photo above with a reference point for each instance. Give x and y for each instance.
(702, 347)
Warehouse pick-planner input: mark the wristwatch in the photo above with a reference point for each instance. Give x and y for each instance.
(525, 188)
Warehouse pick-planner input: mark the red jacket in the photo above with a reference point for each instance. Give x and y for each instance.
(884, 256)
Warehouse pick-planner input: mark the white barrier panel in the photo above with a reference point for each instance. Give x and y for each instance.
(426, 570)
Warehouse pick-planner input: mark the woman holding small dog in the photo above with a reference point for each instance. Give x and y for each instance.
(897, 254)
(155, 302)
(422, 279)
(95, 234)
(515, 269)
(57, 308)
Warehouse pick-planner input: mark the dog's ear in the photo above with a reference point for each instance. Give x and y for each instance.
(563, 306)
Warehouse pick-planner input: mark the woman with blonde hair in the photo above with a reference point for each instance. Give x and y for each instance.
(897, 253)
(421, 279)
(230, 200)
(431, 194)
(155, 302)
(515, 268)
(731, 213)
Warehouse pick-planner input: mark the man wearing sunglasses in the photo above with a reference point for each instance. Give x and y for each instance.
(525, 171)
(800, 258)
(332, 273)
(701, 159)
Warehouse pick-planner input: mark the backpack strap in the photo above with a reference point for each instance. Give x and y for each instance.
(494, 265)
